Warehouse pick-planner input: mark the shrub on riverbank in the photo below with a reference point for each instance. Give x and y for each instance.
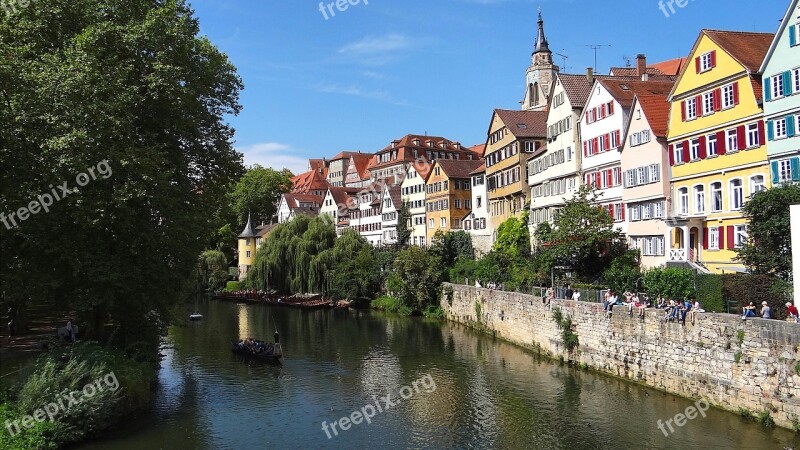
(392, 305)
(63, 371)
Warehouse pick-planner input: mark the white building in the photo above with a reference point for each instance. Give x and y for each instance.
(366, 219)
(292, 205)
(391, 204)
(412, 192)
(476, 224)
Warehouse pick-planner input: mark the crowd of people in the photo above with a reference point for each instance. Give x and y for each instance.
(490, 285)
(256, 347)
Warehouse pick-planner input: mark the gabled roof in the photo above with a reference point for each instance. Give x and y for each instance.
(749, 49)
(478, 150)
(294, 200)
(787, 21)
(316, 164)
(363, 162)
(394, 194)
(480, 169)
(459, 169)
(264, 230)
(671, 67)
(577, 88)
(310, 181)
(348, 154)
(405, 146)
(343, 195)
(624, 90)
(663, 70)
(524, 124)
(425, 168)
(656, 107)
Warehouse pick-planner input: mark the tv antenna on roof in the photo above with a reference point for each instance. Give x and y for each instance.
(564, 58)
(596, 47)
(628, 60)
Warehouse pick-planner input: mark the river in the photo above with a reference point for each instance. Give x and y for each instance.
(472, 391)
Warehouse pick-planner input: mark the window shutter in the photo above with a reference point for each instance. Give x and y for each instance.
(761, 140)
(735, 92)
(731, 238)
(683, 111)
(699, 102)
(671, 151)
(721, 233)
(609, 178)
(741, 138)
(713, 58)
(795, 164)
(607, 139)
(685, 151)
(767, 89)
(611, 108)
(770, 130)
(787, 83)
(619, 137)
(705, 238)
(792, 36)
(622, 210)
(697, 64)
(596, 149)
(703, 152)
(588, 181)
(775, 173)
(611, 210)
(790, 121)
(717, 99)
(585, 148)
(722, 145)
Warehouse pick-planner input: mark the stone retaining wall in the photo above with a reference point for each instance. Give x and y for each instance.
(697, 361)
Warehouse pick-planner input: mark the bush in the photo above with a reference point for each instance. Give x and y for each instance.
(433, 312)
(765, 419)
(234, 286)
(709, 293)
(391, 305)
(673, 283)
(745, 288)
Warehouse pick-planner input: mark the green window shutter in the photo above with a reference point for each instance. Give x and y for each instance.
(767, 89)
(790, 121)
(775, 175)
(787, 83)
(770, 130)
(795, 169)
(792, 36)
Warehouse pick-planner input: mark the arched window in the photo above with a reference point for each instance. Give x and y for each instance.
(737, 194)
(683, 201)
(757, 184)
(716, 196)
(699, 199)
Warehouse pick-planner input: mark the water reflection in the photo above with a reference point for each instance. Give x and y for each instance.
(489, 394)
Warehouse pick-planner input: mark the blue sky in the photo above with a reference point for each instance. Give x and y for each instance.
(378, 71)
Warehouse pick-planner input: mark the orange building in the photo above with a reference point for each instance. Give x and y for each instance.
(449, 195)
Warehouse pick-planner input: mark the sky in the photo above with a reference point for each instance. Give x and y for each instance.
(381, 69)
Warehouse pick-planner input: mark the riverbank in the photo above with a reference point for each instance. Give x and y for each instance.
(746, 367)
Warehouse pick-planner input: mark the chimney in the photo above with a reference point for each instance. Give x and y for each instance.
(590, 74)
(641, 65)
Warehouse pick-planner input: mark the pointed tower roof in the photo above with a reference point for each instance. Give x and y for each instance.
(541, 40)
(248, 230)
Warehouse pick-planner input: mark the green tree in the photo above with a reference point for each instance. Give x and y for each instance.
(671, 282)
(451, 246)
(351, 268)
(134, 84)
(583, 236)
(513, 237)
(768, 248)
(403, 225)
(258, 192)
(420, 273)
(212, 270)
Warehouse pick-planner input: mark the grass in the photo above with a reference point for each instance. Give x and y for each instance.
(391, 305)
(765, 419)
(737, 356)
(233, 286)
(740, 336)
(797, 368)
(746, 413)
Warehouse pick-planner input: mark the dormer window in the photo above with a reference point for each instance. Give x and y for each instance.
(706, 61)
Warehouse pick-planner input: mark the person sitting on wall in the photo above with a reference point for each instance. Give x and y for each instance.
(662, 302)
(568, 294)
(766, 311)
(686, 306)
(641, 306)
(792, 313)
(749, 311)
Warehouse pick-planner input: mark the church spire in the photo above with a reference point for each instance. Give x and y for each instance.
(248, 229)
(541, 40)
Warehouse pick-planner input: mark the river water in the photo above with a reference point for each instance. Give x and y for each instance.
(487, 393)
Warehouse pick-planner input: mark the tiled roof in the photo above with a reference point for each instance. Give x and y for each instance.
(294, 200)
(577, 87)
(656, 108)
(344, 196)
(480, 169)
(459, 169)
(316, 164)
(424, 168)
(394, 193)
(524, 124)
(624, 90)
(264, 230)
(347, 155)
(310, 181)
(748, 48)
(405, 146)
(478, 149)
(672, 67)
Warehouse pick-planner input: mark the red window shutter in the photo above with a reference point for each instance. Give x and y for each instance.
(721, 232)
(717, 99)
(699, 102)
(761, 137)
(619, 140)
(697, 64)
(611, 108)
(603, 110)
(683, 111)
(596, 145)
(735, 92)
(585, 148)
(703, 152)
(705, 238)
(611, 210)
(741, 139)
(609, 178)
(722, 146)
(713, 58)
(622, 210)
(685, 151)
(731, 238)
(588, 180)
(607, 139)
(587, 117)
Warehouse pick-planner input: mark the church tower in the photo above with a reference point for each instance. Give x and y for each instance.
(541, 73)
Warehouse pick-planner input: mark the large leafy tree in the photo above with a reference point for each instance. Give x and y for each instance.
(768, 248)
(403, 228)
(420, 273)
(513, 237)
(583, 236)
(257, 193)
(451, 246)
(130, 82)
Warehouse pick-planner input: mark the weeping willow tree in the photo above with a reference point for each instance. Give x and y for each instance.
(349, 270)
(212, 270)
(284, 261)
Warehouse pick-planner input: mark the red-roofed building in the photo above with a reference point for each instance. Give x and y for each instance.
(412, 193)
(293, 205)
(338, 166)
(312, 182)
(392, 160)
(646, 177)
(449, 195)
(357, 172)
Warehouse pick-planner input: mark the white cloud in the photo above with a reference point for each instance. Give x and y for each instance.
(274, 155)
(377, 51)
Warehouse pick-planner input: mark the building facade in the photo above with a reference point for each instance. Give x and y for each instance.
(716, 148)
(477, 223)
(412, 193)
(449, 195)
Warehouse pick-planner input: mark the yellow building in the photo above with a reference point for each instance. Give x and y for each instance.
(514, 137)
(449, 195)
(717, 148)
(249, 241)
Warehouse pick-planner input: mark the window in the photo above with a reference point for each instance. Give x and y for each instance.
(248, 253)
(752, 136)
(678, 154)
(733, 140)
(458, 203)
(655, 173)
(634, 212)
(728, 97)
(479, 202)
(716, 197)
(683, 201)
(694, 149)
(711, 145)
(784, 170)
(796, 75)
(443, 222)
(713, 238)
(757, 184)
(777, 86)
(706, 62)
(659, 210)
(646, 212)
(570, 153)
(708, 103)
(431, 224)
(737, 194)
(640, 175)
(617, 176)
(740, 235)
(780, 128)
(699, 199)
(691, 108)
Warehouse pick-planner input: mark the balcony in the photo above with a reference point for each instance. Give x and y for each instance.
(682, 255)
